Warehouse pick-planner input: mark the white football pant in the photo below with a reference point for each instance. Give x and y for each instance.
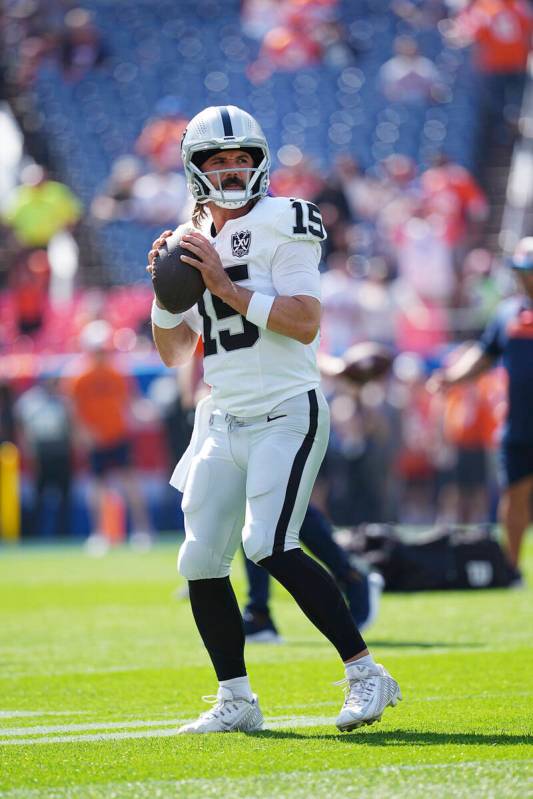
(252, 481)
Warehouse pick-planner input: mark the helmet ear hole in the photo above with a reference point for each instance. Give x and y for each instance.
(203, 185)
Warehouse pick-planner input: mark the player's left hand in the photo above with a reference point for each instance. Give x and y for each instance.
(210, 265)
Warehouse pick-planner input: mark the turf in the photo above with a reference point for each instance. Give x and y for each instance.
(100, 660)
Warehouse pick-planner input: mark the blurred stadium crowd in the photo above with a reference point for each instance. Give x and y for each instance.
(397, 118)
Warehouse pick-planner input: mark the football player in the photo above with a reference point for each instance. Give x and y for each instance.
(259, 438)
(509, 336)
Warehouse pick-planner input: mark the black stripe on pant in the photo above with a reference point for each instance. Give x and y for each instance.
(295, 476)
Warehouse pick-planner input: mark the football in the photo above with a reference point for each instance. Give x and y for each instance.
(177, 285)
(366, 361)
(359, 364)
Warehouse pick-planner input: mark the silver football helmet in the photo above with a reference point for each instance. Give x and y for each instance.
(224, 127)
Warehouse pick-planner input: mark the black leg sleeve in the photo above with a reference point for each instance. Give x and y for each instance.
(218, 618)
(319, 597)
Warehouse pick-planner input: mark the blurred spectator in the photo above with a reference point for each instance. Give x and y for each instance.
(301, 179)
(153, 198)
(409, 77)
(34, 214)
(469, 424)
(115, 201)
(510, 336)
(39, 208)
(420, 14)
(479, 292)
(161, 198)
(424, 257)
(80, 45)
(500, 32)
(356, 308)
(301, 33)
(7, 419)
(422, 324)
(44, 427)
(160, 138)
(29, 282)
(102, 397)
(357, 461)
(363, 192)
(286, 48)
(415, 462)
(340, 324)
(332, 201)
(452, 196)
(259, 16)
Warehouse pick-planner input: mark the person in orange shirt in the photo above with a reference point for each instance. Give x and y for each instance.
(101, 397)
(452, 194)
(469, 424)
(157, 140)
(500, 33)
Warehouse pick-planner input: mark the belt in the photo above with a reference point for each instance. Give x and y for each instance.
(244, 421)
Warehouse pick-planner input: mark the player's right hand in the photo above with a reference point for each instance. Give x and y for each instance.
(156, 246)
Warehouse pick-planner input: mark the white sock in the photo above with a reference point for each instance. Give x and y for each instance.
(367, 660)
(239, 686)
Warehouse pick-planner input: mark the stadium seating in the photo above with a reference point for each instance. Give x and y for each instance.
(157, 50)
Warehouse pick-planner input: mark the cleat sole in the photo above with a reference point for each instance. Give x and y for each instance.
(367, 722)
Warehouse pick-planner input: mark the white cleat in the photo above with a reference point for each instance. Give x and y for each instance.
(368, 693)
(228, 714)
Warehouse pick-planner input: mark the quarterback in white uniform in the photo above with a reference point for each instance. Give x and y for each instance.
(260, 437)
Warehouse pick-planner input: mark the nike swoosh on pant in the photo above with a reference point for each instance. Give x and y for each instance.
(273, 418)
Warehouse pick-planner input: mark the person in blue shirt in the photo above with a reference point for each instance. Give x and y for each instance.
(509, 337)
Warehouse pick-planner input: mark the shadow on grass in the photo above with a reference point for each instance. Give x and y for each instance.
(397, 644)
(401, 738)
(425, 644)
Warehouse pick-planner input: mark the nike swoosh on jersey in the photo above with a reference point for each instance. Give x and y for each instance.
(273, 418)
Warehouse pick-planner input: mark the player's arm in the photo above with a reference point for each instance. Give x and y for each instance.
(473, 362)
(475, 359)
(296, 316)
(175, 343)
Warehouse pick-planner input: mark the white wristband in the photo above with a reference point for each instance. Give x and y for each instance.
(165, 319)
(259, 309)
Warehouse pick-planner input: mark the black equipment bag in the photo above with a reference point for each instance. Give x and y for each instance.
(435, 559)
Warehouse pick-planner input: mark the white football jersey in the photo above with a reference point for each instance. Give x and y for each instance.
(251, 369)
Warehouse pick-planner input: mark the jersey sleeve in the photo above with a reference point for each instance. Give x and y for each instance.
(299, 220)
(295, 269)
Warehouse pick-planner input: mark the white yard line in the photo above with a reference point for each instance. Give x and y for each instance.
(43, 729)
(279, 721)
(166, 729)
(16, 714)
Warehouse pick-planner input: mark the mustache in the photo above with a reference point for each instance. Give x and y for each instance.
(230, 183)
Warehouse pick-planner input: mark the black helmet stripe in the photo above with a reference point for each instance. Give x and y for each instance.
(226, 121)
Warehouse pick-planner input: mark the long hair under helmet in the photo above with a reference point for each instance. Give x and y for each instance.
(224, 127)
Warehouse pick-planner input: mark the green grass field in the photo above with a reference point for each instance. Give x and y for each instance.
(99, 662)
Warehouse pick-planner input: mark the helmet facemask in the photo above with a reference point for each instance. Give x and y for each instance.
(207, 186)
